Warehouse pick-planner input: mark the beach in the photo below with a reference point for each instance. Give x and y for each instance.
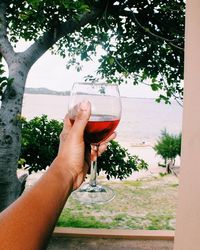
(141, 124)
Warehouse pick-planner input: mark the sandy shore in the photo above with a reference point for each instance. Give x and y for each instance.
(145, 152)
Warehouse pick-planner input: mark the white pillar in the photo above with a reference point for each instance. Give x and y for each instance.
(187, 235)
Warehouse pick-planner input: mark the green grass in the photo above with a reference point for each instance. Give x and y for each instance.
(159, 222)
(144, 204)
(136, 183)
(69, 219)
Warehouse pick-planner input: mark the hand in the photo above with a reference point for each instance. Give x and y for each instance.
(74, 155)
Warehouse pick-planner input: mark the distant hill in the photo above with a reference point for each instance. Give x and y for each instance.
(45, 91)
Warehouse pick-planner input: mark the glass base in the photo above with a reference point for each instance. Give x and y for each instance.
(98, 194)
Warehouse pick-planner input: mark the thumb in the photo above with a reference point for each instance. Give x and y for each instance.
(82, 117)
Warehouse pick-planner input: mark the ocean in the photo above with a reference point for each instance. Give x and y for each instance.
(141, 123)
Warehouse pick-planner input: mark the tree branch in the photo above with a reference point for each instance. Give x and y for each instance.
(120, 12)
(170, 41)
(178, 98)
(6, 48)
(36, 50)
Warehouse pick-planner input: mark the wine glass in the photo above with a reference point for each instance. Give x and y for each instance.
(105, 116)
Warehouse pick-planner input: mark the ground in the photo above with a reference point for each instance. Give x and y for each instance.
(146, 200)
(147, 203)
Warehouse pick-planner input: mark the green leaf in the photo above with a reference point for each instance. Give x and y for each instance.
(111, 60)
(155, 86)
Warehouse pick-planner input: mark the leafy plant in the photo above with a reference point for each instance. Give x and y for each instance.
(118, 163)
(168, 147)
(40, 140)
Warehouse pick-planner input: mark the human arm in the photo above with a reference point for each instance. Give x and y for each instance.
(30, 220)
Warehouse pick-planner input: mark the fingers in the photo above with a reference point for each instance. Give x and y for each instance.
(67, 124)
(82, 117)
(66, 128)
(110, 138)
(102, 147)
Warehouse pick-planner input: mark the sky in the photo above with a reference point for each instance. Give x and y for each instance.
(50, 72)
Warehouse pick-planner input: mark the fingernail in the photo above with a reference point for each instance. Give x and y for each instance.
(84, 105)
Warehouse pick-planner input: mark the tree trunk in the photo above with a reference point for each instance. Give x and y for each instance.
(10, 133)
(10, 109)
(170, 165)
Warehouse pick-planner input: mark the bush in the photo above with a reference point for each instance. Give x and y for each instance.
(168, 147)
(40, 140)
(118, 163)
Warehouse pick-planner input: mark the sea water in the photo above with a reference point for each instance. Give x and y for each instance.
(141, 123)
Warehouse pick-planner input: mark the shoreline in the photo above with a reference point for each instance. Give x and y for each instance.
(144, 152)
(140, 126)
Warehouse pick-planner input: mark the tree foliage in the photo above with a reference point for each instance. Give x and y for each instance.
(40, 140)
(141, 40)
(116, 162)
(168, 146)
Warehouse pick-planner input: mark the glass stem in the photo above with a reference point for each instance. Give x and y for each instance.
(93, 170)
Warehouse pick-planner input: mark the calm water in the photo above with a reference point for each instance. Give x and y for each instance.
(142, 119)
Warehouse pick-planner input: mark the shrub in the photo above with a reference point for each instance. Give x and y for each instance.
(118, 163)
(40, 140)
(168, 147)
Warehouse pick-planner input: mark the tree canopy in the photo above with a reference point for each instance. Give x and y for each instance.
(141, 39)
